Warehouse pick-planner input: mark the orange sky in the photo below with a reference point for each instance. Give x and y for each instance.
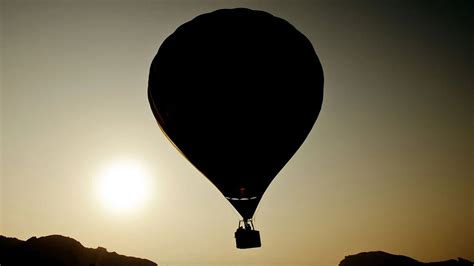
(388, 165)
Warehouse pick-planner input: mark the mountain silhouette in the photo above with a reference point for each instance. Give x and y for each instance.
(57, 250)
(380, 258)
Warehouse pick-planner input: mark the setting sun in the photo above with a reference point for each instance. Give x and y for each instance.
(123, 186)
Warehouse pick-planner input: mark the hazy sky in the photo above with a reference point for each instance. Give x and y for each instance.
(388, 165)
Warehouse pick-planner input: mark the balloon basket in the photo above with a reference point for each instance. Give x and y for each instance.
(247, 237)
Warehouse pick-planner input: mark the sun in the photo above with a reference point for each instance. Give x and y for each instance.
(123, 186)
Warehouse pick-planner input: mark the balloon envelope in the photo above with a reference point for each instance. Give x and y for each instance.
(237, 91)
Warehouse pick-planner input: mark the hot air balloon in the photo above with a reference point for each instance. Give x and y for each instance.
(237, 91)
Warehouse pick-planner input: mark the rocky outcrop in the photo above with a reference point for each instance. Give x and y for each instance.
(379, 258)
(56, 250)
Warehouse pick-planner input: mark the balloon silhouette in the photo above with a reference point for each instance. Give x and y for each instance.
(237, 91)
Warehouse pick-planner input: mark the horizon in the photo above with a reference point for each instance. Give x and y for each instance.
(387, 166)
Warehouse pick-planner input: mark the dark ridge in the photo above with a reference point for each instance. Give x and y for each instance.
(57, 250)
(380, 258)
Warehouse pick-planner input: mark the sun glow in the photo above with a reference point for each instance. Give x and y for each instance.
(123, 186)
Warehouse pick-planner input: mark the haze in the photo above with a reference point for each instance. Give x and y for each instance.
(388, 165)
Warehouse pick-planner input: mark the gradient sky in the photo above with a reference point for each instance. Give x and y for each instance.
(388, 165)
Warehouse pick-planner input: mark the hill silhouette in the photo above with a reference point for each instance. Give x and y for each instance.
(57, 250)
(379, 258)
